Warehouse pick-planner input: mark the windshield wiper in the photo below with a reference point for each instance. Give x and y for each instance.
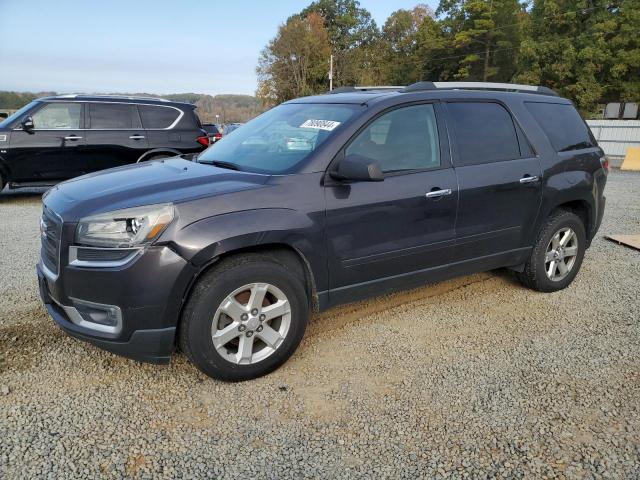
(221, 164)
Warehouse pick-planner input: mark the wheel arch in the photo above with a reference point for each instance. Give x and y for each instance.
(582, 209)
(280, 252)
(150, 153)
(574, 191)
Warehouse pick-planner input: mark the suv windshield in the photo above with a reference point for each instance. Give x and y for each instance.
(277, 141)
(16, 115)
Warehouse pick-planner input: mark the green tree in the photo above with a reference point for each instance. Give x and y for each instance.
(354, 39)
(400, 35)
(587, 50)
(433, 57)
(295, 62)
(16, 100)
(486, 35)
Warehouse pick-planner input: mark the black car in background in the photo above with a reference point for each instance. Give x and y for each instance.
(56, 138)
(214, 131)
(230, 127)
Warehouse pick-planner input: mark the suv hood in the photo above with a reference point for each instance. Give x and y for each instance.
(172, 180)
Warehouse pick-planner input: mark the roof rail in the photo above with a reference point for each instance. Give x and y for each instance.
(509, 87)
(363, 89)
(106, 95)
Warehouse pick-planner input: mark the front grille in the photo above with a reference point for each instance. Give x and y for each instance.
(50, 235)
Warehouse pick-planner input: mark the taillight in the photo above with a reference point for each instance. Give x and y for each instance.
(217, 136)
(604, 161)
(204, 141)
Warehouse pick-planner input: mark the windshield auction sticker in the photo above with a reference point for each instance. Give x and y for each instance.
(320, 124)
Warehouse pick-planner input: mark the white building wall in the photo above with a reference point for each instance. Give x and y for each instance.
(615, 136)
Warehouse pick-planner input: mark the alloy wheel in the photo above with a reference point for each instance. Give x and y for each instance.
(251, 323)
(561, 254)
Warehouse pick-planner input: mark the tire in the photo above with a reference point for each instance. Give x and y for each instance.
(205, 315)
(546, 250)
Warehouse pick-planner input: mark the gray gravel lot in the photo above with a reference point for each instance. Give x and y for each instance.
(474, 377)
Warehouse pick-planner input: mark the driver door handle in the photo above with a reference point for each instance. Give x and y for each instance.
(438, 193)
(528, 179)
(73, 137)
(136, 137)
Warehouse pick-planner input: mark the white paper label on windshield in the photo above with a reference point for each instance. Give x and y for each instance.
(320, 124)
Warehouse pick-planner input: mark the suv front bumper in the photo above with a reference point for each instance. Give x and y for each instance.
(148, 293)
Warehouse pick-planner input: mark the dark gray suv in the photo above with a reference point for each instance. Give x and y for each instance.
(320, 201)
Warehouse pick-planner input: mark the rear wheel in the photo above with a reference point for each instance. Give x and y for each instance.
(244, 319)
(557, 254)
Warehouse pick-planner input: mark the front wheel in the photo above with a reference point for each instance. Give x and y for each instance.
(244, 319)
(557, 254)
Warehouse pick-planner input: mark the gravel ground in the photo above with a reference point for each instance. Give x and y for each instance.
(474, 377)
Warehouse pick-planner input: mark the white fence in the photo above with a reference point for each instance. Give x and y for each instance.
(615, 136)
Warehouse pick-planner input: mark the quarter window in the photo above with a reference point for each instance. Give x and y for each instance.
(157, 117)
(58, 116)
(562, 124)
(403, 139)
(112, 115)
(484, 132)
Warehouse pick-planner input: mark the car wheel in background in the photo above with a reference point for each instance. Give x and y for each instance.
(244, 318)
(158, 156)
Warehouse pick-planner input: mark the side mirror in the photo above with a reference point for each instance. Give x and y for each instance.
(27, 123)
(358, 168)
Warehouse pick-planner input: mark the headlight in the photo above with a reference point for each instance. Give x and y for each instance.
(125, 228)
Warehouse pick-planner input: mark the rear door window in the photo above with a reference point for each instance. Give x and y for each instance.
(562, 124)
(400, 140)
(112, 116)
(484, 132)
(56, 115)
(157, 117)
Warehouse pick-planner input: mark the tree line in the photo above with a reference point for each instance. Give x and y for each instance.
(586, 50)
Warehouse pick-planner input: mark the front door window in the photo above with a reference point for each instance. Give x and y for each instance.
(54, 116)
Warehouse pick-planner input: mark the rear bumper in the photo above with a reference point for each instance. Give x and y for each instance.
(598, 220)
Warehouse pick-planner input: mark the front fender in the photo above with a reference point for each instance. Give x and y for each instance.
(206, 239)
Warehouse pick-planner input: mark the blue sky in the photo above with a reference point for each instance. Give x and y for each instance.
(159, 46)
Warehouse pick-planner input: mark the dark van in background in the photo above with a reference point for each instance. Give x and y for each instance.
(57, 138)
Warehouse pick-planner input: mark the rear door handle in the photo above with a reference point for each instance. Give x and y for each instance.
(529, 179)
(438, 193)
(136, 137)
(73, 137)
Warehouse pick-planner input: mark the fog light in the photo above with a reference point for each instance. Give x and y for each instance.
(108, 315)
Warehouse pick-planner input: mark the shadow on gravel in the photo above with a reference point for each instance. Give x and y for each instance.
(340, 316)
